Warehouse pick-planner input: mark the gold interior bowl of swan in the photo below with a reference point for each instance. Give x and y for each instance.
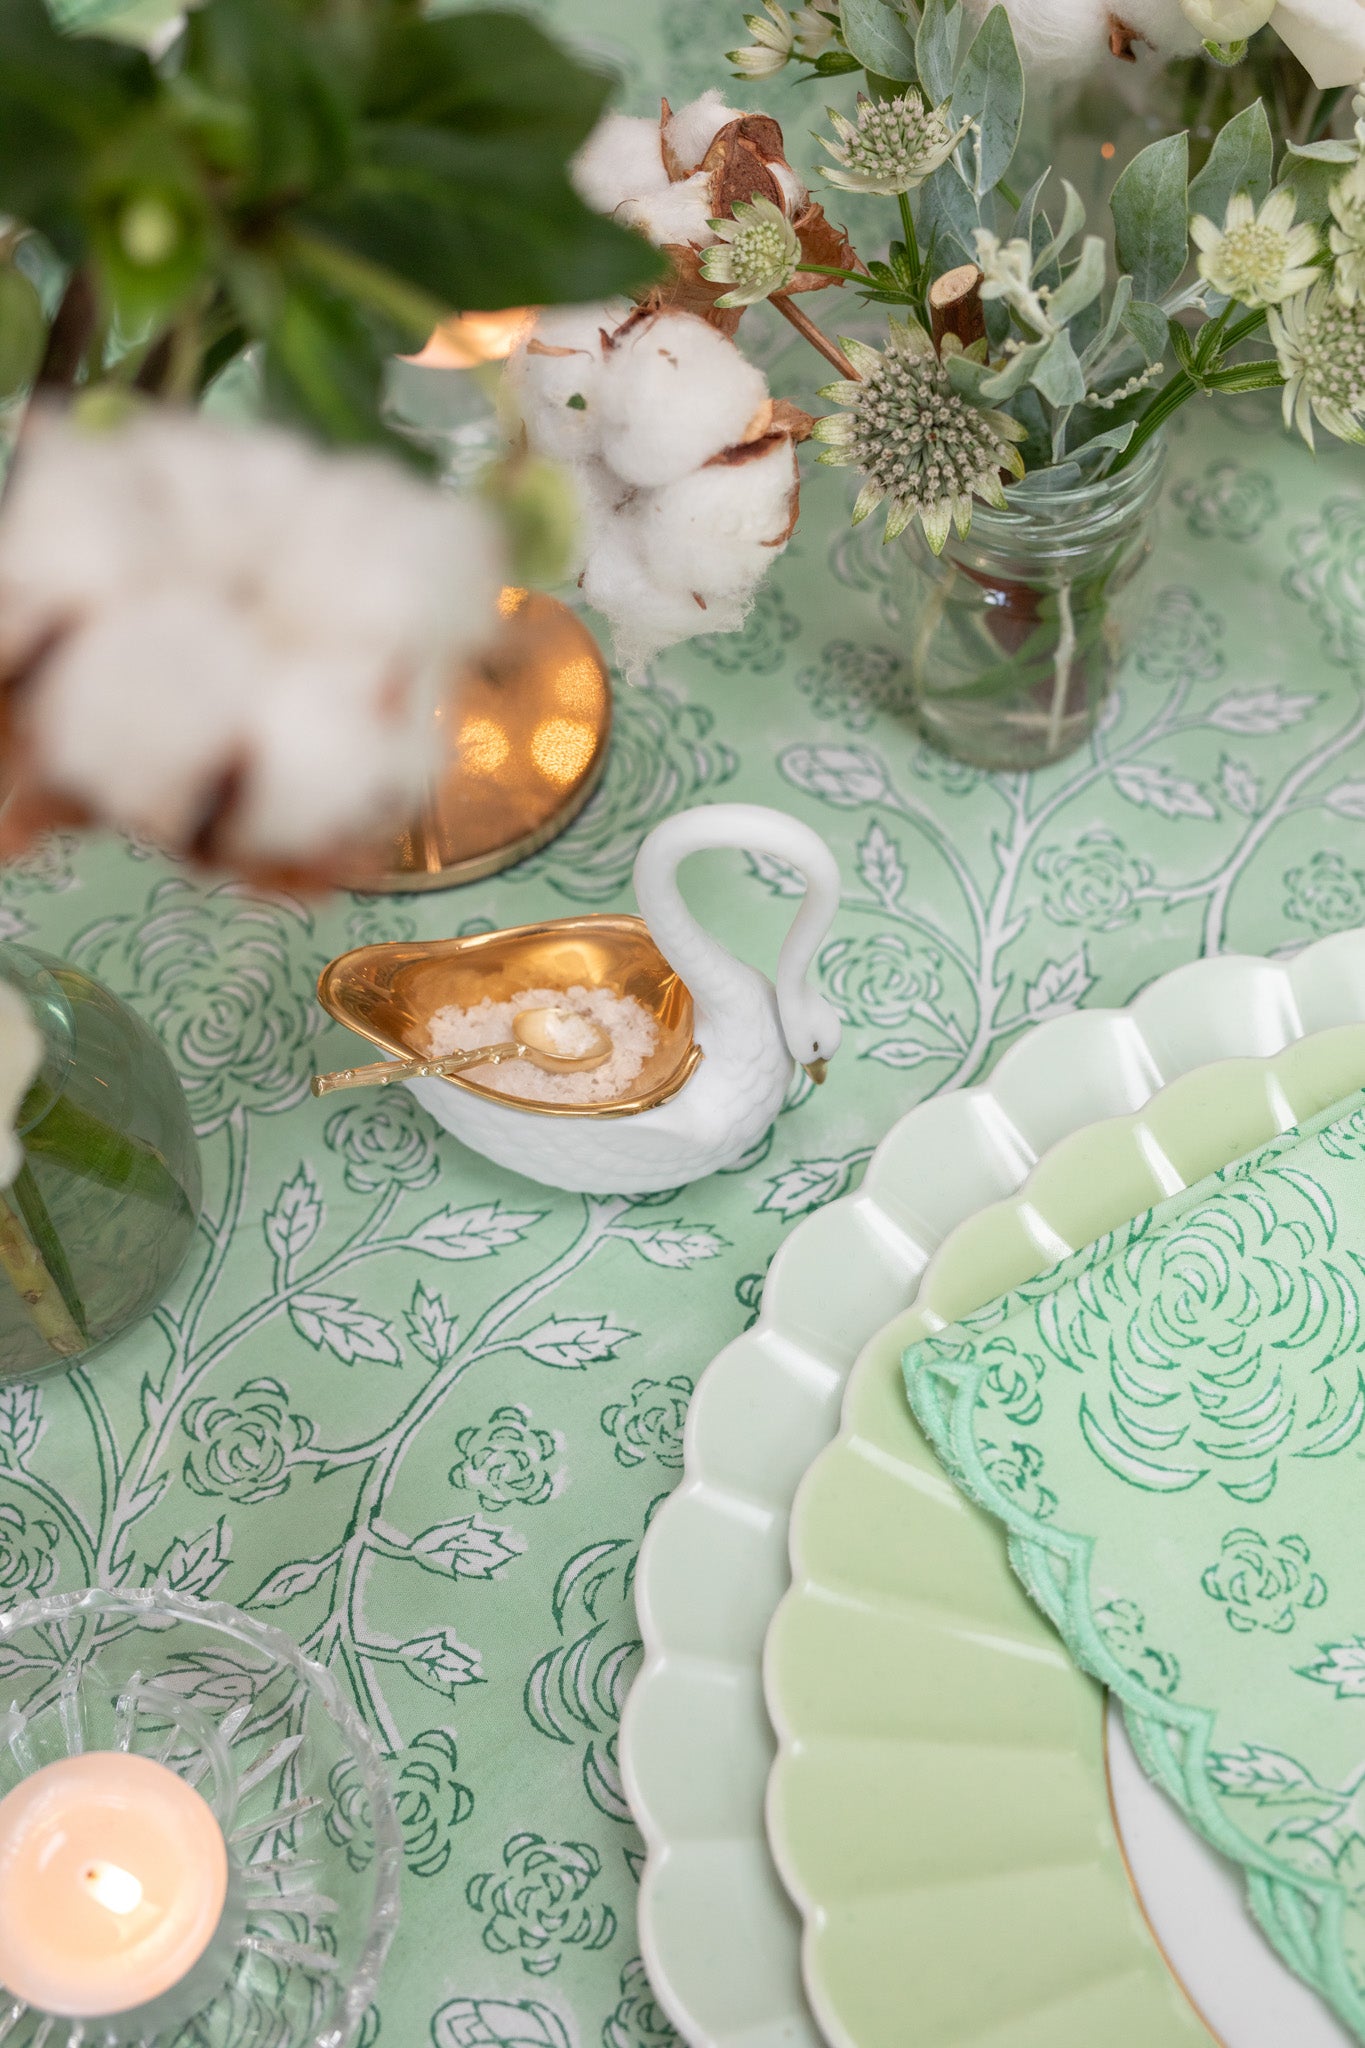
(389, 994)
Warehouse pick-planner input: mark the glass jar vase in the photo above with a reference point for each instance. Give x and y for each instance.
(99, 1220)
(1015, 632)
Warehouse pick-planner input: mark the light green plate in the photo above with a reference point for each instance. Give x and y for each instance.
(939, 1807)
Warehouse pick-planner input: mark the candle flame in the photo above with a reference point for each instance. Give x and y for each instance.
(473, 338)
(112, 1887)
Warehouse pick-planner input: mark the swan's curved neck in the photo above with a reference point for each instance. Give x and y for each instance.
(712, 974)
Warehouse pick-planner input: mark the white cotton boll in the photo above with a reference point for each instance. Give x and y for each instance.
(21, 1055)
(719, 529)
(673, 394)
(643, 618)
(142, 711)
(599, 494)
(690, 132)
(621, 159)
(565, 366)
(1168, 30)
(60, 551)
(680, 213)
(377, 559)
(225, 509)
(794, 193)
(320, 778)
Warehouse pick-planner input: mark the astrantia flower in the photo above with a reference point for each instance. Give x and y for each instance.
(758, 252)
(773, 42)
(1347, 234)
(1256, 258)
(892, 147)
(916, 440)
(1321, 346)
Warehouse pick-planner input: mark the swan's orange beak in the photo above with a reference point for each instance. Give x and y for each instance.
(817, 1069)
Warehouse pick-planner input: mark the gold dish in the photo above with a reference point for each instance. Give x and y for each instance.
(389, 993)
(523, 742)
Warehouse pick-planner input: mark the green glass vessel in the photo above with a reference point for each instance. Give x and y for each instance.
(99, 1221)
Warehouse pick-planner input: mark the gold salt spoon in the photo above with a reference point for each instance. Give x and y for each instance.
(533, 1035)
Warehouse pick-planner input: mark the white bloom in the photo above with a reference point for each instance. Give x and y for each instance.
(892, 147)
(21, 1055)
(1321, 348)
(814, 31)
(620, 160)
(1006, 273)
(673, 393)
(221, 620)
(774, 40)
(690, 132)
(759, 253)
(1327, 37)
(1256, 258)
(680, 213)
(1227, 21)
(1347, 234)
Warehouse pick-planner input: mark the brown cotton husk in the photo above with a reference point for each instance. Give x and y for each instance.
(821, 242)
(687, 291)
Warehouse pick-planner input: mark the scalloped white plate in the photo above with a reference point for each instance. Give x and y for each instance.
(721, 1939)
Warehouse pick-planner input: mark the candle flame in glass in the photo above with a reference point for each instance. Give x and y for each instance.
(112, 1887)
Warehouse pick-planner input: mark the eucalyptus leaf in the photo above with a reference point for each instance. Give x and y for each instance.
(1149, 328)
(1116, 438)
(1241, 160)
(1151, 230)
(936, 47)
(949, 212)
(1331, 151)
(1041, 483)
(1024, 212)
(1005, 382)
(967, 376)
(1312, 182)
(1118, 306)
(877, 35)
(1057, 374)
(1083, 283)
(1073, 220)
(990, 91)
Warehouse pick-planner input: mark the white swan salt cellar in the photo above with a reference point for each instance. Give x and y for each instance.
(727, 1041)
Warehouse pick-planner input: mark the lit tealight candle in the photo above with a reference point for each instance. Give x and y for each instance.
(113, 1878)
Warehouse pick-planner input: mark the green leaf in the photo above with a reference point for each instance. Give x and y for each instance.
(1150, 225)
(1226, 54)
(1118, 306)
(1259, 376)
(830, 64)
(878, 37)
(1073, 220)
(1312, 181)
(27, 1198)
(61, 100)
(948, 214)
(1241, 160)
(1331, 151)
(1149, 328)
(936, 44)
(1184, 352)
(490, 76)
(1057, 374)
(266, 99)
(1016, 372)
(1100, 444)
(324, 367)
(23, 332)
(990, 89)
(1082, 284)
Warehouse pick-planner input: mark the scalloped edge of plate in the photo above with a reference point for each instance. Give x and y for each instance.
(719, 1935)
(826, 1799)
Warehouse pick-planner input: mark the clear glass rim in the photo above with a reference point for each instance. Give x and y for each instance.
(388, 1838)
(1095, 498)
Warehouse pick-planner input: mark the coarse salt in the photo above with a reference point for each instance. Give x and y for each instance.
(632, 1030)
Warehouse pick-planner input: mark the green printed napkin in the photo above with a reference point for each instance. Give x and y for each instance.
(1171, 1427)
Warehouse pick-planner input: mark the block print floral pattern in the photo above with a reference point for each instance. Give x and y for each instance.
(1106, 1412)
(372, 1410)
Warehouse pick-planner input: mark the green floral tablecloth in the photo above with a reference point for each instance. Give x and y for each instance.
(418, 1411)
